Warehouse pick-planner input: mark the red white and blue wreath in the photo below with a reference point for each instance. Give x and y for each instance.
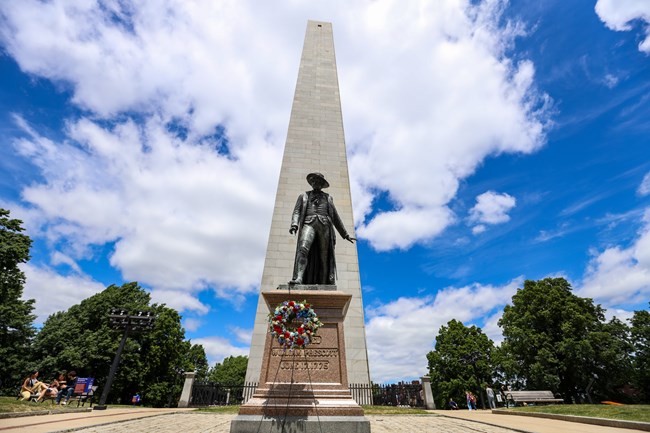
(294, 324)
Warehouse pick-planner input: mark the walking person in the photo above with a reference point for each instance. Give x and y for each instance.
(490, 396)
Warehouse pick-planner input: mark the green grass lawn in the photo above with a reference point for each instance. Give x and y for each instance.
(391, 410)
(220, 409)
(10, 404)
(632, 412)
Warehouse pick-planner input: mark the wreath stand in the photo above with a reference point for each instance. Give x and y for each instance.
(306, 390)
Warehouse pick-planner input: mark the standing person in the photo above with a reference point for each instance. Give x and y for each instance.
(71, 381)
(472, 399)
(468, 396)
(490, 396)
(314, 219)
(31, 385)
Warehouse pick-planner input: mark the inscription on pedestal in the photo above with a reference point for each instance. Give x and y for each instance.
(316, 363)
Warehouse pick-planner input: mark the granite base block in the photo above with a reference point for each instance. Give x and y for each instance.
(308, 424)
(307, 287)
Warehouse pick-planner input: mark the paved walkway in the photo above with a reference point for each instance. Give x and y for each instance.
(529, 424)
(176, 421)
(213, 423)
(73, 420)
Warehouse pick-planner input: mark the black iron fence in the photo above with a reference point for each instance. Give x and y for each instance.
(400, 394)
(396, 394)
(218, 394)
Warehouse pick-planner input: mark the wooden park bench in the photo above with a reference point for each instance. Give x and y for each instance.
(520, 397)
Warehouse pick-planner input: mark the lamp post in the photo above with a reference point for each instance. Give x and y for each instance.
(139, 321)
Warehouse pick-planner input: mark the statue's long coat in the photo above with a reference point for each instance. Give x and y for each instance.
(312, 272)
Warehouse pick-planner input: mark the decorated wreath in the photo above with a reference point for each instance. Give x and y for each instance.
(294, 324)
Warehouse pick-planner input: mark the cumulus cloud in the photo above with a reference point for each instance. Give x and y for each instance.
(620, 276)
(179, 213)
(619, 15)
(179, 300)
(491, 208)
(218, 348)
(55, 292)
(428, 92)
(402, 332)
(192, 324)
(644, 187)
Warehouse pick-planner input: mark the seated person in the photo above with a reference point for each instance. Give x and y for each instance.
(452, 404)
(71, 381)
(53, 389)
(31, 385)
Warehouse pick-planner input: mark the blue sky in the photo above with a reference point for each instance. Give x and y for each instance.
(489, 143)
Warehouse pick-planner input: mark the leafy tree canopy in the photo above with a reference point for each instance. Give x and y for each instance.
(152, 362)
(560, 341)
(232, 371)
(16, 318)
(461, 361)
(640, 336)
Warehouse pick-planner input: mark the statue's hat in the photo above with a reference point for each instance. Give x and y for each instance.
(312, 176)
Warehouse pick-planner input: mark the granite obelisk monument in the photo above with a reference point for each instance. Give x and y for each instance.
(315, 144)
(310, 285)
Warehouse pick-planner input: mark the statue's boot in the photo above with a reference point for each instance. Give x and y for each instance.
(300, 271)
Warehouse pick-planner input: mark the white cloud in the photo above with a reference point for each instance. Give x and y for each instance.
(491, 208)
(192, 324)
(217, 348)
(58, 258)
(55, 292)
(619, 15)
(179, 212)
(644, 187)
(491, 326)
(427, 89)
(620, 314)
(179, 300)
(620, 276)
(243, 335)
(478, 229)
(401, 333)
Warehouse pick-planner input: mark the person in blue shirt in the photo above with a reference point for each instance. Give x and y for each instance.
(67, 392)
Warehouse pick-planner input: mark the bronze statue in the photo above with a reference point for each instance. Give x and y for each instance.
(313, 218)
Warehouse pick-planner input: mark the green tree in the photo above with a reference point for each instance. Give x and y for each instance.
(640, 336)
(197, 361)
(611, 366)
(16, 318)
(81, 339)
(232, 371)
(553, 337)
(461, 361)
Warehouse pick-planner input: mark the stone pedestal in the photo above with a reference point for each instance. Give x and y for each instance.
(187, 389)
(305, 390)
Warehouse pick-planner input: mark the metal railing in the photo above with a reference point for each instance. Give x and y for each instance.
(218, 394)
(400, 394)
